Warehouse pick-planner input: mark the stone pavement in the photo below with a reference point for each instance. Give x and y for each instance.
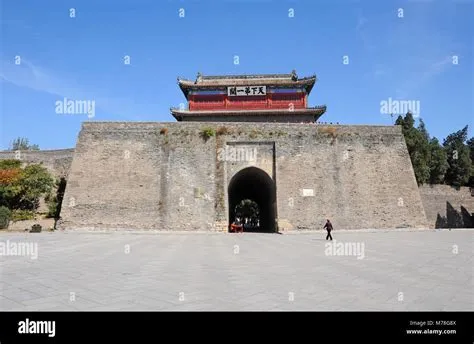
(412, 271)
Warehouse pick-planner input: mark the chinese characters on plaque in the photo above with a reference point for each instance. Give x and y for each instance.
(247, 91)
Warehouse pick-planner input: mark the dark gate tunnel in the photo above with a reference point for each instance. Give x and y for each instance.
(254, 184)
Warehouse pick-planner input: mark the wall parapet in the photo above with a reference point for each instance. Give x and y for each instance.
(57, 161)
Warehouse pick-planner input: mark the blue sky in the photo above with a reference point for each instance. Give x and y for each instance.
(408, 57)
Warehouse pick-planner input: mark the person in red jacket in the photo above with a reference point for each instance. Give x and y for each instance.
(328, 227)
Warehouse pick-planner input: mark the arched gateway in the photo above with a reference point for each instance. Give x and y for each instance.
(254, 184)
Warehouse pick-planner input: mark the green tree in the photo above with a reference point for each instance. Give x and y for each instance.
(423, 131)
(10, 174)
(399, 121)
(423, 154)
(54, 201)
(35, 182)
(8, 164)
(22, 143)
(470, 144)
(438, 162)
(459, 160)
(5, 215)
(408, 121)
(10, 194)
(417, 141)
(247, 209)
(22, 188)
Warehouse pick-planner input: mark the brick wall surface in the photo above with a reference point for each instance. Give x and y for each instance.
(166, 176)
(58, 162)
(344, 166)
(447, 206)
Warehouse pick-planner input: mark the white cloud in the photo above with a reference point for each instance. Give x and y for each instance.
(31, 76)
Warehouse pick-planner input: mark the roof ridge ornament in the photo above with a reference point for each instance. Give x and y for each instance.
(294, 76)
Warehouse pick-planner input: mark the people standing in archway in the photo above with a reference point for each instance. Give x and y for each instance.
(329, 228)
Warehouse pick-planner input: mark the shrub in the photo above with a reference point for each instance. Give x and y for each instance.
(54, 201)
(255, 133)
(24, 190)
(223, 131)
(5, 215)
(9, 164)
(331, 131)
(36, 228)
(52, 208)
(21, 215)
(9, 176)
(207, 133)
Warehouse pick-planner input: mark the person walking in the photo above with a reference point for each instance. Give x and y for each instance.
(328, 227)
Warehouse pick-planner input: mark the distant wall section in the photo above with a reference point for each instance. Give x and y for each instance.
(447, 206)
(58, 161)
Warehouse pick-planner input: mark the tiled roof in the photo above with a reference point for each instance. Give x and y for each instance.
(318, 110)
(203, 82)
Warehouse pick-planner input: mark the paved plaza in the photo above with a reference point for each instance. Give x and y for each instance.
(374, 271)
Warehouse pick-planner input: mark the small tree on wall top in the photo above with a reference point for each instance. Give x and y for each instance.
(22, 143)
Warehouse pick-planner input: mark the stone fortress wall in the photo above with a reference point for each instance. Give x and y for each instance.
(58, 161)
(447, 206)
(167, 176)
